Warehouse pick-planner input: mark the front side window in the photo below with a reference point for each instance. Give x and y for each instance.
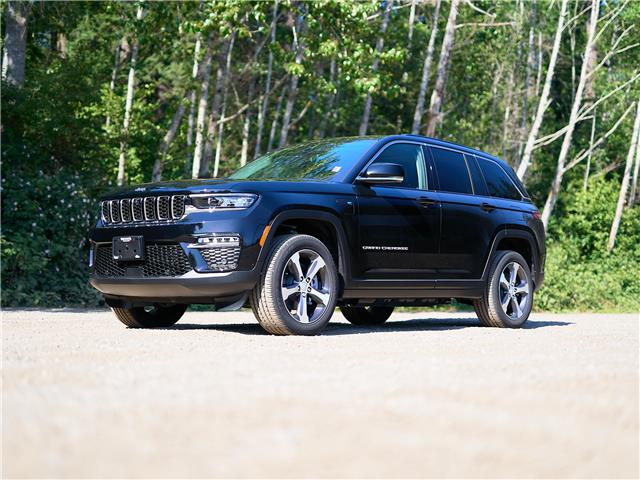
(452, 171)
(409, 156)
(498, 183)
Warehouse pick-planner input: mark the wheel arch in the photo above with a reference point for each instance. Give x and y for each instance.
(323, 225)
(522, 242)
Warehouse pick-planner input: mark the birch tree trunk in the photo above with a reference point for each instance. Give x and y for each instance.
(566, 142)
(293, 88)
(591, 147)
(543, 102)
(128, 104)
(622, 197)
(246, 125)
(529, 85)
(15, 42)
(225, 91)
(192, 102)
(114, 76)
(156, 174)
(276, 117)
(202, 110)
(539, 64)
(214, 113)
(263, 110)
(364, 123)
(633, 197)
(441, 73)
(426, 70)
(330, 101)
(412, 19)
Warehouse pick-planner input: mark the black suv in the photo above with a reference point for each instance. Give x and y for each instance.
(365, 223)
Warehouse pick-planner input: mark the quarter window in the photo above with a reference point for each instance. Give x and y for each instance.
(452, 171)
(498, 183)
(410, 157)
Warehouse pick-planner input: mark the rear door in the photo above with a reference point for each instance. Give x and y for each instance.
(468, 219)
(399, 225)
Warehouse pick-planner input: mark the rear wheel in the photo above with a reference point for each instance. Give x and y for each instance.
(298, 290)
(508, 295)
(366, 315)
(152, 316)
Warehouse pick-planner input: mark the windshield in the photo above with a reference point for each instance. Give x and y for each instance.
(320, 160)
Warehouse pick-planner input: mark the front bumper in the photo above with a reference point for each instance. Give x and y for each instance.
(200, 284)
(189, 288)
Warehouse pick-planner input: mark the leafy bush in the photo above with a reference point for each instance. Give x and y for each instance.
(45, 220)
(580, 273)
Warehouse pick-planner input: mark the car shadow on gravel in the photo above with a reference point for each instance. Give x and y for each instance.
(414, 325)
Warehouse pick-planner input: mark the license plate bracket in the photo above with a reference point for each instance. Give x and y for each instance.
(129, 248)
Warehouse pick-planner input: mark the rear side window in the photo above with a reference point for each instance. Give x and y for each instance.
(452, 171)
(498, 183)
(479, 187)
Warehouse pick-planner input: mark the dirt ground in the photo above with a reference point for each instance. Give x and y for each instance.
(426, 395)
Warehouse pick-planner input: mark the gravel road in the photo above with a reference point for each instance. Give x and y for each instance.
(434, 395)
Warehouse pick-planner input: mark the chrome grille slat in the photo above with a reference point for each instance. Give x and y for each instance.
(137, 209)
(106, 212)
(143, 209)
(150, 208)
(177, 206)
(115, 211)
(125, 210)
(163, 208)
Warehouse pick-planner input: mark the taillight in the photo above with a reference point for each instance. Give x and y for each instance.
(537, 215)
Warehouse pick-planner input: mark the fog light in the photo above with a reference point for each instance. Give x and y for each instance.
(217, 241)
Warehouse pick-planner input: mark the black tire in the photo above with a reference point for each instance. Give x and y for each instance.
(267, 301)
(155, 316)
(490, 309)
(366, 315)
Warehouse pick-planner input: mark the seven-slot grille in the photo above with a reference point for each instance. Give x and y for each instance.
(147, 209)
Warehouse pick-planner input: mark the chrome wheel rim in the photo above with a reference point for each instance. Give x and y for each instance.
(306, 286)
(514, 290)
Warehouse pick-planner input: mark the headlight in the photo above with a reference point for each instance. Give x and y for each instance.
(214, 201)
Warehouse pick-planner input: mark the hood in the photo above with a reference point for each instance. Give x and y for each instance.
(186, 187)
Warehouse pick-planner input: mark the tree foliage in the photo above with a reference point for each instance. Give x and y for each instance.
(63, 127)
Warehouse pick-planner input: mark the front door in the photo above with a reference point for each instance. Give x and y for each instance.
(399, 225)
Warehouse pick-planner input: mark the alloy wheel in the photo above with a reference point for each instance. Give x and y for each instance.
(306, 286)
(514, 290)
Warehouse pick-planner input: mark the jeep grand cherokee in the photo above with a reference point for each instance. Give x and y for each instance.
(364, 223)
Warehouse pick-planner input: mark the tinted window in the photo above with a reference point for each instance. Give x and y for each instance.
(498, 183)
(409, 156)
(479, 187)
(324, 160)
(452, 171)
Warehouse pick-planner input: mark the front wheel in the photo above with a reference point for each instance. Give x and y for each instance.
(508, 295)
(298, 290)
(153, 316)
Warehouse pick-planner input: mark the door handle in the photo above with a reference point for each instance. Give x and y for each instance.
(426, 202)
(487, 207)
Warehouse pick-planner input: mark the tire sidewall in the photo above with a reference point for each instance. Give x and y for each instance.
(278, 262)
(494, 292)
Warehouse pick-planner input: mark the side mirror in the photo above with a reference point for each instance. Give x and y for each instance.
(382, 173)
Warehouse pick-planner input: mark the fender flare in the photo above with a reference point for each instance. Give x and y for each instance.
(344, 256)
(519, 234)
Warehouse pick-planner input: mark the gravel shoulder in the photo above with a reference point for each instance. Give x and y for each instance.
(426, 395)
